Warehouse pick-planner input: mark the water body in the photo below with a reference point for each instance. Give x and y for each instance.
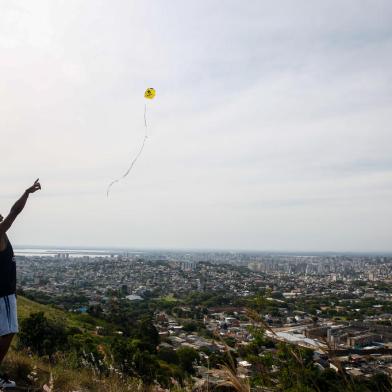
(51, 252)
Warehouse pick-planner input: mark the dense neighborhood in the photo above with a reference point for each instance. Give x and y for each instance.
(339, 306)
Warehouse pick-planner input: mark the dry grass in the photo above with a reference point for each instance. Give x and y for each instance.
(32, 372)
(231, 379)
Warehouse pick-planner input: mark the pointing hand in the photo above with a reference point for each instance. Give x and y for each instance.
(35, 187)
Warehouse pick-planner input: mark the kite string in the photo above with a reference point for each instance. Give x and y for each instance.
(136, 157)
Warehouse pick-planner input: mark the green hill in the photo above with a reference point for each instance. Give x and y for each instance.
(84, 322)
(32, 372)
(27, 307)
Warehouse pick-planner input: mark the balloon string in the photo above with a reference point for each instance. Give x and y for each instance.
(145, 118)
(136, 157)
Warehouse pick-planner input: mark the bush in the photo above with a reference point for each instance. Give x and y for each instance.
(133, 360)
(168, 355)
(187, 356)
(42, 336)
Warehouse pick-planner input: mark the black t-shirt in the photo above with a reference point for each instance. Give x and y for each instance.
(7, 271)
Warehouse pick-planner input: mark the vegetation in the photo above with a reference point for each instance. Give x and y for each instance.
(123, 354)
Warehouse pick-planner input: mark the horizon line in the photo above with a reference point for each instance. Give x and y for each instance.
(201, 250)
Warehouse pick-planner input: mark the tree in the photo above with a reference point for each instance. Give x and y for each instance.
(168, 355)
(187, 356)
(43, 336)
(190, 326)
(217, 358)
(148, 334)
(296, 369)
(131, 357)
(95, 310)
(230, 341)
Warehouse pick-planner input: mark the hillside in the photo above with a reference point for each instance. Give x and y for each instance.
(27, 306)
(34, 373)
(84, 322)
(62, 351)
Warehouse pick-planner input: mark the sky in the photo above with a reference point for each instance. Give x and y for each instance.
(271, 128)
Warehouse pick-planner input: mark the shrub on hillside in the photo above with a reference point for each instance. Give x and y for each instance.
(188, 357)
(41, 335)
(131, 357)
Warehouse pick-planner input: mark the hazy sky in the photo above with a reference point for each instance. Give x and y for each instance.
(271, 128)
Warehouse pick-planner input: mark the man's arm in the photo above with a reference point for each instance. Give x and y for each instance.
(17, 208)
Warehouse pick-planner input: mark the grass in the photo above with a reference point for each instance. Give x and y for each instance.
(26, 307)
(169, 298)
(85, 322)
(34, 373)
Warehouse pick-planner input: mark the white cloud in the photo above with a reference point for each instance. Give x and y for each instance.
(271, 128)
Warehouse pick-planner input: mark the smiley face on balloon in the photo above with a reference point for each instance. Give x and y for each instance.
(150, 93)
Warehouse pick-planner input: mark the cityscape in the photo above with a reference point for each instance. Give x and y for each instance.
(339, 306)
(196, 196)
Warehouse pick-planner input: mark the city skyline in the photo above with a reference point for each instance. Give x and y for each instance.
(53, 249)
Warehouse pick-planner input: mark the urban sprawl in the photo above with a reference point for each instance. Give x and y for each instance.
(337, 305)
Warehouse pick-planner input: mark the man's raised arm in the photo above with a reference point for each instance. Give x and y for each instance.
(17, 208)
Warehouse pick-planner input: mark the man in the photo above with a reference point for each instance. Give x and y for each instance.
(8, 315)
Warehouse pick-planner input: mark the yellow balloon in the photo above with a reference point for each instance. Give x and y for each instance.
(150, 93)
